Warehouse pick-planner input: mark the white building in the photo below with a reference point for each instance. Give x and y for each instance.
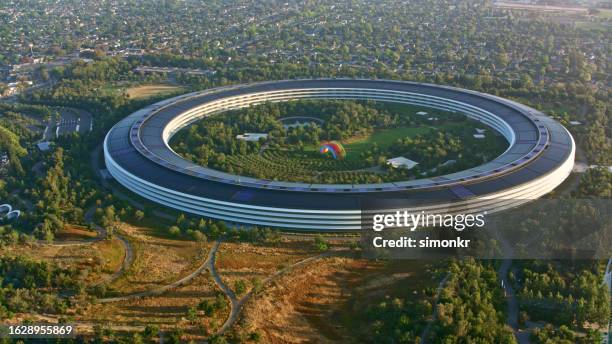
(422, 113)
(402, 162)
(254, 137)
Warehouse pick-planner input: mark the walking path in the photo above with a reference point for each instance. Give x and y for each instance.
(512, 316)
(236, 304)
(165, 288)
(434, 315)
(128, 258)
(608, 281)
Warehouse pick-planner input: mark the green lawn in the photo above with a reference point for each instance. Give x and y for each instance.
(307, 165)
(383, 138)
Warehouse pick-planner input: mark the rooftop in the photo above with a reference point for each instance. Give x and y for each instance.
(400, 161)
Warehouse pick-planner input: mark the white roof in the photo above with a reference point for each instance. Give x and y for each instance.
(479, 136)
(251, 136)
(400, 161)
(421, 113)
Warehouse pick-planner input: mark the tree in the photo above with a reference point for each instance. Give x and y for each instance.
(139, 215)
(240, 287)
(320, 243)
(199, 236)
(217, 339)
(150, 332)
(174, 231)
(192, 314)
(207, 307)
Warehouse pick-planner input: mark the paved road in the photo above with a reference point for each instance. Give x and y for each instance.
(512, 303)
(237, 304)
(427, 328)
(234, 305)
(165, 288)
(128, 258)
(102, 234)
(607, 280)
(15, 97)
(512, 315)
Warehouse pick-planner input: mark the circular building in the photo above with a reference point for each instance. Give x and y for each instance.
(539, 157)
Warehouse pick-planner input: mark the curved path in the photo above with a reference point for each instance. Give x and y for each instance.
(165, 288)
(607, 280)
(512, 315)
(237, 304)
(434, 315)
(229, 293)
(522, 337)
(102, 234)
(128, 258)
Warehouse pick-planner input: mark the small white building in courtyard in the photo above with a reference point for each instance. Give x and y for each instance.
(254, 137)
(402, 162)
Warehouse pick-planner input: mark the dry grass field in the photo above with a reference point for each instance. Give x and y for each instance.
(248, 262)
(157, 261)
(318, 303)
(73, 232)
(167, 311)
(145, 91)
(96, 261)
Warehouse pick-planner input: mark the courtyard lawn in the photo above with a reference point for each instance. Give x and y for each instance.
(383, 138)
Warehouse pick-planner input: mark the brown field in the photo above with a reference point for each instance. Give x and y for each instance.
(157, 261)
(97, 261)
(318, 303)
(541, 8)
(247, 262)
(167, 311)
(145, 91)
(74, 232)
